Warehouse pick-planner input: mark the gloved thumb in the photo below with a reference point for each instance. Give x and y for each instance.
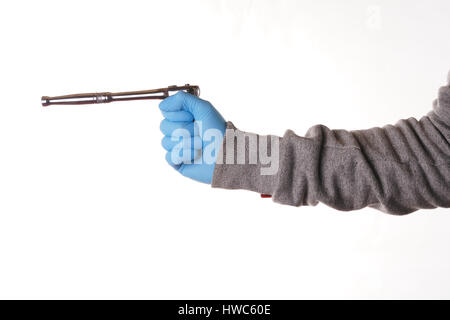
(182, 101)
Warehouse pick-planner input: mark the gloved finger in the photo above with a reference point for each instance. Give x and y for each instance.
(169, 143)
(169, 161)
(178, 116)
(192, 171)
(168, 127)
(187, 102)
(179, 101)
(179, 156)
(182, 101)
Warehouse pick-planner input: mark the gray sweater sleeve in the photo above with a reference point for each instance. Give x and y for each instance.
(397, 168)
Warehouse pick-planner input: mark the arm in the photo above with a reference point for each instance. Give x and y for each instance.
(397, 169)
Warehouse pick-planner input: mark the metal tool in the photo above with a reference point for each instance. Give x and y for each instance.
(106, 97)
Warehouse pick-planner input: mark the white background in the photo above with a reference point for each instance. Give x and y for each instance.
(90, 209)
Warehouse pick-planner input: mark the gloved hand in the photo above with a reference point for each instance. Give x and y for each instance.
(193, 133)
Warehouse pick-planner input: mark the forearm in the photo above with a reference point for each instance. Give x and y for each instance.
(397, 169)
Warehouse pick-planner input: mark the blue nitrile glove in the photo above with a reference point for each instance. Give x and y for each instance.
(193, 133)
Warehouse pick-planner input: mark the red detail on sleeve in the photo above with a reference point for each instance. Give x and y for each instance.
(265, 195)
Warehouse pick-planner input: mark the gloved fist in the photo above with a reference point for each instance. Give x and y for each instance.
(193, 132)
